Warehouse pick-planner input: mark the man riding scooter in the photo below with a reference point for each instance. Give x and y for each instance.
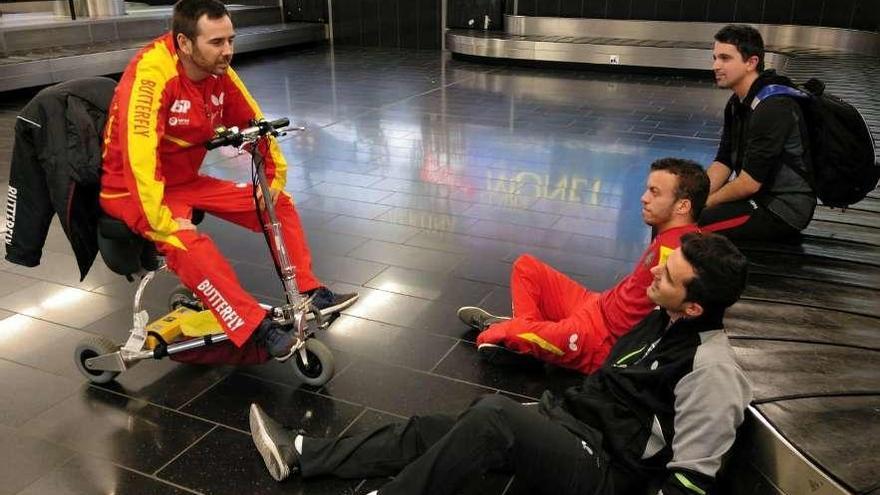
(171, 98)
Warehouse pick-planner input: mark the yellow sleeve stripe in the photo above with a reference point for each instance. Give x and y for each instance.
(279, 180)
(114, 195)
(167, 239)
(108, 133)
(152, 73)
(177, 141)
(540, 342)
(664, 254)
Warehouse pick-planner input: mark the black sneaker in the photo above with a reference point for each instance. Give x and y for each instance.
(328, 302)
(275, 339)
(274, 443)
(499, 354)
(477, 318)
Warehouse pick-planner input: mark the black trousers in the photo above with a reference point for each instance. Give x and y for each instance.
(441, 454)
(746, 220)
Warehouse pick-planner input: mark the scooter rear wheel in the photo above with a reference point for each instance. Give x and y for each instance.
(92, 347)
(321, 365)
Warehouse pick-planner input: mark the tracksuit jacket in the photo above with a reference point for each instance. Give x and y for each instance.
(158, 123)
(665, 406)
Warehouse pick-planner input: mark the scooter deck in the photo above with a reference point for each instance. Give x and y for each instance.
(183, 322)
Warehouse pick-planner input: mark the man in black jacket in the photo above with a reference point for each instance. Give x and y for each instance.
(661, 411)
(764, 142)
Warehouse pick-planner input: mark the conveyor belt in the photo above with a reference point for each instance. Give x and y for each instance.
(41, 66)
(590, 50)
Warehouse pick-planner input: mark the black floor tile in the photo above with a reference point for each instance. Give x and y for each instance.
(462, 244)
(226, 462)
(26, 459)
(361, 209)
(428, 203)
(413, 257)
(386, 343)
(482, 270)
(315, 219)
(155, 295)
(129, 432)
(165, 382)
(282, 373)
(374, 229)
(344, 269)
(60, 304)
(385, 307)
(430, 285)
(40, 344)
(84, 475)
(323, 242)
(427, 220)
(440, 317)
(61, 268)
(228, 402)
(26, 392)
(117, 325)
(10, 282)
(402, 391)
(519, 234)
(498, 302)
(517, 374)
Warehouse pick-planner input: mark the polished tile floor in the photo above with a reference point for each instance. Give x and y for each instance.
(419, 179)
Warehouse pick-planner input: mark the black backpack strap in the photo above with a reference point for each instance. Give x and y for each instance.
(771, 90)
(778, 90)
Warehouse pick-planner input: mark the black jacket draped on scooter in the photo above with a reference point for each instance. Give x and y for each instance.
(56, 166)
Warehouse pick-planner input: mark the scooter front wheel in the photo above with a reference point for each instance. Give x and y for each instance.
(321, 364)
(93, 347)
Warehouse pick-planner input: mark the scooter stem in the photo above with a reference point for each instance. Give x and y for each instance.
(273, 228)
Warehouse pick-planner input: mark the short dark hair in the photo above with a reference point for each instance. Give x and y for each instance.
(746, 39)
(693, 183)
(720, 270)
(188, 12)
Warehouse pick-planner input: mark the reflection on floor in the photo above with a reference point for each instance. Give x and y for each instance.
(419, 180)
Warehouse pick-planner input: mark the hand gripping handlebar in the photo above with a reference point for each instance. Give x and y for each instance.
(235, 137)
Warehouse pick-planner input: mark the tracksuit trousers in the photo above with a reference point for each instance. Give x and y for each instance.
(555, 319)
(194, 257)
(441, 454)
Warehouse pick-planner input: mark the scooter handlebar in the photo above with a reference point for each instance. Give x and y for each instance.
(235, 137)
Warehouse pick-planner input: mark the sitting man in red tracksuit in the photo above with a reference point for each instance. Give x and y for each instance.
(557, 320)
(171, 97)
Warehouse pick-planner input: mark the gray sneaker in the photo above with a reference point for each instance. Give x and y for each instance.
(274, 443)
(477, 318)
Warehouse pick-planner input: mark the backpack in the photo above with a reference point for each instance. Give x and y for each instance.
(841, 147)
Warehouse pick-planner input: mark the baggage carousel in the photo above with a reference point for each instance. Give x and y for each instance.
(40, 49)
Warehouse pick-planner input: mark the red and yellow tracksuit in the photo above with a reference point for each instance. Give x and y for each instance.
(153, 148)
(559, 321)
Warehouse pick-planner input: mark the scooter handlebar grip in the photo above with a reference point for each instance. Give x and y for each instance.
(279, 123)
(216, 142)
